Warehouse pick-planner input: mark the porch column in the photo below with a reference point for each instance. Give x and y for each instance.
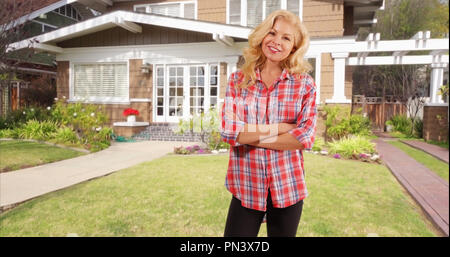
(436, 80)
(339, 79)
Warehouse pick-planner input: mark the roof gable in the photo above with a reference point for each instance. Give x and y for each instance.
(130, 21)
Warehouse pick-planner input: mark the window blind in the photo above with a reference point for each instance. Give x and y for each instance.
(254, 12)
(235, 12)
(189, 11)
(293, 6)
(100, 81)
(272, 5)
(166, 9)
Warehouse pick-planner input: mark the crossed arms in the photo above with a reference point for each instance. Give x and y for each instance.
(272, 136)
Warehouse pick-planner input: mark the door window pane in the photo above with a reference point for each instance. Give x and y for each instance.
(214, 81)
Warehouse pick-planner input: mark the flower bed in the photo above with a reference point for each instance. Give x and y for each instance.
(349, 148)
(196, 149)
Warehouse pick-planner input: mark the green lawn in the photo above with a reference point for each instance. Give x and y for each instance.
(17, 154)
(185, 196)
(429, 161)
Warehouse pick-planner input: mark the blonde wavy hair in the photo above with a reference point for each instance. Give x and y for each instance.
(255, 58)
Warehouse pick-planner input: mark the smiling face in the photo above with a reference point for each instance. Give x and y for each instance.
(279, 42)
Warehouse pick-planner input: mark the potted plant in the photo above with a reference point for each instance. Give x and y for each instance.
(130, 113)
(443, 91)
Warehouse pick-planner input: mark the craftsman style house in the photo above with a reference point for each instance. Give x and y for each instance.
(170, 59)
(37, 17)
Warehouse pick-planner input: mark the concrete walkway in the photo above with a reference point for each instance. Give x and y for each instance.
(22, 185)
(429, 190)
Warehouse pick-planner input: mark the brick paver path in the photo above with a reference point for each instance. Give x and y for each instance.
(434, 150)
(427, 188)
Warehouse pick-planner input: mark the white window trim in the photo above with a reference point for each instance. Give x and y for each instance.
(208, 103)
(43, 24)
(182, 3)
(207, 96)
(244, 10)
(65, 15)
(99, 100)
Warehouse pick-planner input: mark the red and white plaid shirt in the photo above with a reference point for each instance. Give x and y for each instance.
(253, 170)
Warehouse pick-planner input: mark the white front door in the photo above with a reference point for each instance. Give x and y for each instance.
(183, 90)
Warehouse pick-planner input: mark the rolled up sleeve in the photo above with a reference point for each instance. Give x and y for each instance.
(231, 125)
(307, 117)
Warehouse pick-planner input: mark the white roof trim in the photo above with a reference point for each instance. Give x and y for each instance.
(110, 20)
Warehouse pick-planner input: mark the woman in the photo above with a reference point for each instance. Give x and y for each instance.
(268, 118)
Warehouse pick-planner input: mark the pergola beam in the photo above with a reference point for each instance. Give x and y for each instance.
(419, 36)
(371, 39)
(397, 60)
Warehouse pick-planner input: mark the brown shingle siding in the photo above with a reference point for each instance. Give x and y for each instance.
(150, 35)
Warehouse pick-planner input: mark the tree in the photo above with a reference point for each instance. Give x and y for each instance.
(13, 18)
(402, 19)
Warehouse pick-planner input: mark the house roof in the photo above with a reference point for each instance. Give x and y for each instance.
(222, 33)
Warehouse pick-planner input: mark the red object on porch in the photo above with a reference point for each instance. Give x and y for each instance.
(130, 111)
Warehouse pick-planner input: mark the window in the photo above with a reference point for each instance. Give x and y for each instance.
(214, 85)
(252, 12)
(197, 89)
(160, 90)
(39, 27)
(104, 82)
(271, 6)
(294, 6)
(177, 9)
(68, 11)
(235, 12)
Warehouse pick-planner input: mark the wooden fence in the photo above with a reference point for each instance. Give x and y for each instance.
(378, 109)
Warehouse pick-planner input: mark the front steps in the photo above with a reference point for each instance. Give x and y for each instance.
(164, 132)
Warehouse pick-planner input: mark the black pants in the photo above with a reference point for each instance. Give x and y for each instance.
(245, 222)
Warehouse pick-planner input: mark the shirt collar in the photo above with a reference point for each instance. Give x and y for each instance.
(284, 75)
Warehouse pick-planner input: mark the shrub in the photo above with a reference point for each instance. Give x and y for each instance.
(318, 144)
(9, 133)
(401, 124)
(207, 124)
(340, 123)
(39, 130)
(66, 123)
(87, 121)
(65, 135)
(17, 118)
(215, 141)
(359, 125)
(418, 128)
(352, 146)
(406, 126)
